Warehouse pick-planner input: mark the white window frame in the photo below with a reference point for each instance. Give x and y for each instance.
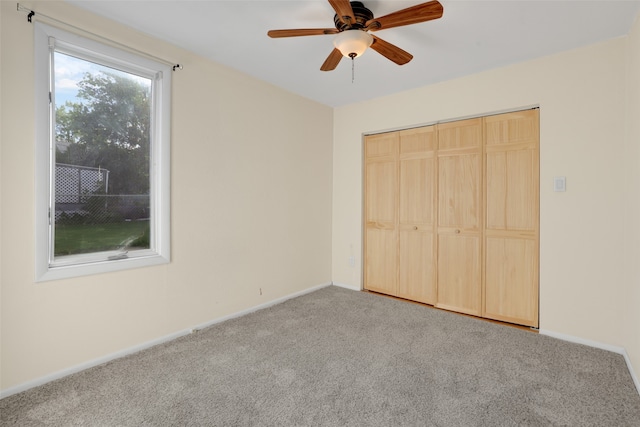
(48, 38)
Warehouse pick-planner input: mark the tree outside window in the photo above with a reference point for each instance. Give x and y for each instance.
(103, 131)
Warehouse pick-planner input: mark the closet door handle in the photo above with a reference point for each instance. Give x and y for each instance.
(415, 227)
(457, 231)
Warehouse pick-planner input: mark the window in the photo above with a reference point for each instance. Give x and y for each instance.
(102, 157)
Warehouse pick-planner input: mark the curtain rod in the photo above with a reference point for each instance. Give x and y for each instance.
(32, 14)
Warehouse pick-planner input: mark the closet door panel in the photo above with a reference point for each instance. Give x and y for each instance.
(381, 202)
(512, 189)
(381, 145)
(512, 128)
(416, 191)
(459, 273)
(460, 135)
(459, 191)
(418, 141)
(511, 290)
(381, 261)
(417, 269)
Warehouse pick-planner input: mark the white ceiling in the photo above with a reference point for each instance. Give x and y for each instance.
(470, 37)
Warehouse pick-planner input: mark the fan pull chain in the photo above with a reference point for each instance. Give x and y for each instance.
(353, 67)
(353, 70)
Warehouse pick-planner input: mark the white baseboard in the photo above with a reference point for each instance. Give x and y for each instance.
(343, 285)
(596, 344)
(90, 364)
(117, 355)
(259, 307)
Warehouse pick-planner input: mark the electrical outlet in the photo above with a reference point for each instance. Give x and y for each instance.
(352, 261)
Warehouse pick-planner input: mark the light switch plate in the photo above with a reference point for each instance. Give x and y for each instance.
(559, 183)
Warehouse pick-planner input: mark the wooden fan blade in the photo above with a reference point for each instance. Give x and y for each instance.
(390, 51)
(332, 60)
(302, 32)
(343, 8)
(411, 15)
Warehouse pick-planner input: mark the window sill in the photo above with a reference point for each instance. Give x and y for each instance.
(97, 267)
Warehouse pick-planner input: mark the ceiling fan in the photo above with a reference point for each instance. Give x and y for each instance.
(353, 24)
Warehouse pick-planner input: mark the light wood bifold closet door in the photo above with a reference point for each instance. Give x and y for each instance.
(512, 221)
(451, 215)
(460, 216)
(381, 213)
(416, 215)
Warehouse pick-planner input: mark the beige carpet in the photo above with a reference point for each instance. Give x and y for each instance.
(341, 358)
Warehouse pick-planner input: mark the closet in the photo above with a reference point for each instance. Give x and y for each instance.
(451, 215)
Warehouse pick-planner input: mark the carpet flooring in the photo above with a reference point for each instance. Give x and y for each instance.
(336, 357)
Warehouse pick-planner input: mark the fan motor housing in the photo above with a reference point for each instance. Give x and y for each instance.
(361, 13)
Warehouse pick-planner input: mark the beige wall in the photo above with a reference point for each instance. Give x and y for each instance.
(584, 289)
(251, 209)
(632, 199)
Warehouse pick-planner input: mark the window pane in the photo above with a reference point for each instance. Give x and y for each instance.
(102, 158)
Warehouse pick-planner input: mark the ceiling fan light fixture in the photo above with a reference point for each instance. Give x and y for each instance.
(353, 43)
